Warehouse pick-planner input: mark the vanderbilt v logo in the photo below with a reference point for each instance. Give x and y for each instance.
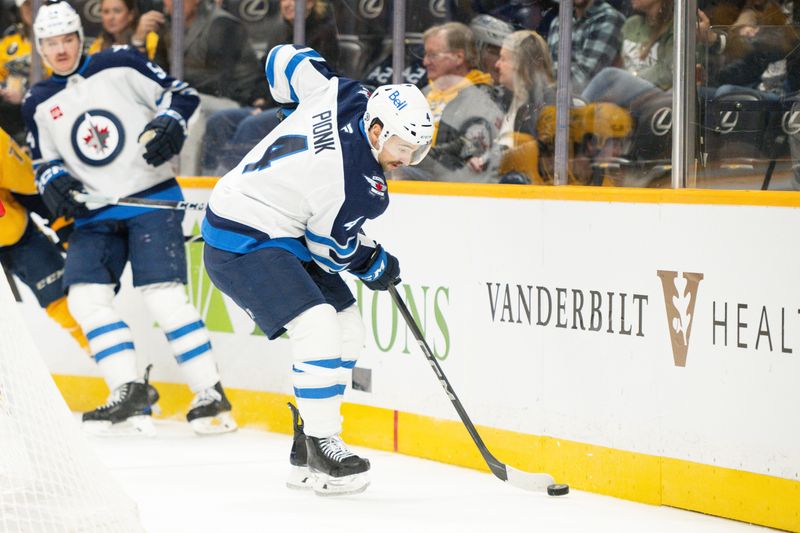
(680, 296)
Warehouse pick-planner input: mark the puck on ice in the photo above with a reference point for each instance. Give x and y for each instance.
(557, 489)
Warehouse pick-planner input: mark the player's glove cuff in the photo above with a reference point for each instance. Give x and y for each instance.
(382, 271)
(57, 188)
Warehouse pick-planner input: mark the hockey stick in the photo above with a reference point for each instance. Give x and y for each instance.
(139, 202)
(517, 478)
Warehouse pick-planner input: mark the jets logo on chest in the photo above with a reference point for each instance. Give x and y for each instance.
(377, 185)
(97, 137)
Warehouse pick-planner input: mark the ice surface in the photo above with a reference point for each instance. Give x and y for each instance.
(235, 483)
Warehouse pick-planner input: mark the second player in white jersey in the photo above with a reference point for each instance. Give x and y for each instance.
(84, 125)
(284, 223)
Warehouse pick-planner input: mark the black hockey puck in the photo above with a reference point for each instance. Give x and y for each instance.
(557, 489)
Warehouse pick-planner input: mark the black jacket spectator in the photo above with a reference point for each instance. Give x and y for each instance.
(218, 57)
(321, 32)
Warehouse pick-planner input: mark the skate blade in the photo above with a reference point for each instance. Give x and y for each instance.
(214, 425)
(134, 426)
(300, 478)
(341, 486)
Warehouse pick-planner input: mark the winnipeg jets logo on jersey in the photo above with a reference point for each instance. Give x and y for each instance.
(377, 185)
(97, 137)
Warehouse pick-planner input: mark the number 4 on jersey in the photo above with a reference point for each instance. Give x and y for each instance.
(282, 147)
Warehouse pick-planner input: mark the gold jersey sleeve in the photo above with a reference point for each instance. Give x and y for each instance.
(16, 175)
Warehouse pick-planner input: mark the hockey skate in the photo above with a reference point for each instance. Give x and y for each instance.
(300, 477)
(337, 470)
(210, 412)
(127, 412)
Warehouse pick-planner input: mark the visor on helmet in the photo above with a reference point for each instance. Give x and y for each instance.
(407, 153)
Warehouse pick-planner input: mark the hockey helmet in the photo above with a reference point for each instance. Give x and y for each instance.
(58, 18)
(602, 120)
(404, 113)
(490, 30)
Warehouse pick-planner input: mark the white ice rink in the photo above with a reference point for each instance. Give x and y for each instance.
(235, 483)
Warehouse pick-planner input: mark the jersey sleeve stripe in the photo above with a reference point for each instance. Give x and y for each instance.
(271, 66)
(292, 66)
(342, 251)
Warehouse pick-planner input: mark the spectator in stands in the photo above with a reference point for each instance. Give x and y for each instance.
(526, 70)
(15, 66)
(757, 55)
(534, 15)
(596, 40)
(218, 57)
(218, 61)
(231, 133)
(466, 114)
(490, 32)
(321, 32)
(122, 24)
(413, 73)
(646, 55)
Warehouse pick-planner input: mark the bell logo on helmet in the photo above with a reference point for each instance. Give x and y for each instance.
(397, 101)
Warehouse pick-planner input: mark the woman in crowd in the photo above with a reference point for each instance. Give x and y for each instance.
(525, 70)
(122, 24)
(646, 57)
(526, 138)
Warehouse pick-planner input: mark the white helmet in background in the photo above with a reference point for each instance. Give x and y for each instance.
(56, 19)
(403, 112)
(490, 30)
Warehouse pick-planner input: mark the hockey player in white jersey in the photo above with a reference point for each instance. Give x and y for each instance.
(283, 225)
(83, 126)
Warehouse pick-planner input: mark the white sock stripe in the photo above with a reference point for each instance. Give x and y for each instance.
(310, 381)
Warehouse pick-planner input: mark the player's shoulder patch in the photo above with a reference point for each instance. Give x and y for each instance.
(377, 185)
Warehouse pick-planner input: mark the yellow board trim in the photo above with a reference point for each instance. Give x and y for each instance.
(753, 498)
(573, 193)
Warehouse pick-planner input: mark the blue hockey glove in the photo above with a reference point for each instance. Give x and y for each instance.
(56, 187)
(382, 271)
(164, 138)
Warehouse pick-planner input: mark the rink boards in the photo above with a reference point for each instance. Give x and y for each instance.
(641, 344)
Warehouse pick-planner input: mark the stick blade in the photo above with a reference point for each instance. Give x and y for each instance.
(528, 481)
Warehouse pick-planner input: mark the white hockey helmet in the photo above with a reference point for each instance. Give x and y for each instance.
(58, 18)
(490, 30)
(403, 112)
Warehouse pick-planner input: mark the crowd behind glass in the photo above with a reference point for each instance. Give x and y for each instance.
(488, 69)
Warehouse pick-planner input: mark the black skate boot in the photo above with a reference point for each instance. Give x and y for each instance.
(300, 477)
(210, 412)
(338, 471)
(129, 407)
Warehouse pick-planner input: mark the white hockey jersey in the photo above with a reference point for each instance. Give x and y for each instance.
(309, 185)
(89, 122)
